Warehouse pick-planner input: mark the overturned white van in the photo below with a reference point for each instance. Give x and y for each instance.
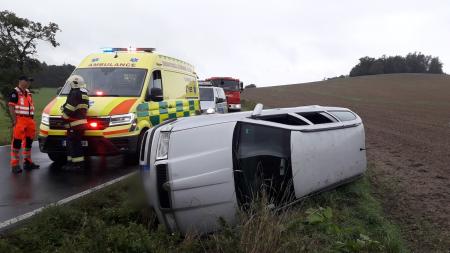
(198, 169)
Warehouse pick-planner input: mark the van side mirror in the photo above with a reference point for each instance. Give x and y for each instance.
(241, 86)
(58, 90)
(156, 94)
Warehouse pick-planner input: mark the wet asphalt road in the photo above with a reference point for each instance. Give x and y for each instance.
(23, 193)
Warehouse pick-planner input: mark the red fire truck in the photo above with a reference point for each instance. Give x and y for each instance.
(232, 88)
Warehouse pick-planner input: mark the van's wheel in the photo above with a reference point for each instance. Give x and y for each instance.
(57, 157)
(133, 158)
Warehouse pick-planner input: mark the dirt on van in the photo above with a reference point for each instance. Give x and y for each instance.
(407, 122)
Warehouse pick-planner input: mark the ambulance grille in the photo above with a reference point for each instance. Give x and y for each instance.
(58, 123)
(161, 178)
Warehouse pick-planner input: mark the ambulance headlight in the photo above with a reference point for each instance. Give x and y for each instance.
(45, 119)
(163, 146)
(122, 119)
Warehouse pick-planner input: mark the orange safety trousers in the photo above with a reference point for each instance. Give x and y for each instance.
(24, 130)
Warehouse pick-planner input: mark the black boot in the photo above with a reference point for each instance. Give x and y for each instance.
(30, 166)
(16, 169)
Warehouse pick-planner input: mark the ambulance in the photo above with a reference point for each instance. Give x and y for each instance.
(130, 90)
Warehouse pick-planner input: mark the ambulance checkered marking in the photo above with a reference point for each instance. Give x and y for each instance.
(179, 105)
(160, 111)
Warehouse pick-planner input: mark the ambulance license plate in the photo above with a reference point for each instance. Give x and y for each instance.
(83, 143)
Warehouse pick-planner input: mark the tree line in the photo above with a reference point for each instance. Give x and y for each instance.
(52, 75)
(411, 63)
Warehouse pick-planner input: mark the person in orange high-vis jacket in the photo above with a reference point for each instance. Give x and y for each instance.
(21, 109)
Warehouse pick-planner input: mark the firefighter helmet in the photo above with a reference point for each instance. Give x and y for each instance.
(76, 81)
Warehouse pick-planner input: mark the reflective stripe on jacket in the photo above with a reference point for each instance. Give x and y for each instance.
(74, 111)
(24, 105)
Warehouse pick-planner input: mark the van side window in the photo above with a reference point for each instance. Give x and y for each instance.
(318, 117)
(156, 79)
(284, 119)
(343, 115)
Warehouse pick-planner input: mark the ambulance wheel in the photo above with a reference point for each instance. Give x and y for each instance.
(133, 158)
(57, 157)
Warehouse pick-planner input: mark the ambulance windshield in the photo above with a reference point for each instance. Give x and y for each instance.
(111, 82)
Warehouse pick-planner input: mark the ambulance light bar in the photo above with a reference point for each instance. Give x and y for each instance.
(129, 49)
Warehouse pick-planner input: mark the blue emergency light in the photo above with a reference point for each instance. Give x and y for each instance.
(108, 50)
(129, 49)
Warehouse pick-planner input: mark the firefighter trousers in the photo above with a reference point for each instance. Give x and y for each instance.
(24, 130)
(75, 152)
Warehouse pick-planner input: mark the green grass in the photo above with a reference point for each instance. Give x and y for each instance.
(247, 105)
(40, 98)
(115, 219)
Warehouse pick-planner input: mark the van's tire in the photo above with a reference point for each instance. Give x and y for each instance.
(133, 158)
(57, 157)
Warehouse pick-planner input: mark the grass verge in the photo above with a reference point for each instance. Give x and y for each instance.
(40, 99)
(115, 219)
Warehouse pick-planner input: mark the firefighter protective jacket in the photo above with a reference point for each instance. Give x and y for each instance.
(74, 111)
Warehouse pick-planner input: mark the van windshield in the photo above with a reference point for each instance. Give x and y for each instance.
(206, 94)
(111, 82)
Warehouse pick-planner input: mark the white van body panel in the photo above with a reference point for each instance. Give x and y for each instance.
(324, 158)
(205, 105)
(201, 177)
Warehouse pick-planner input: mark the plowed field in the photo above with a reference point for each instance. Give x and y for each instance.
(407, 121)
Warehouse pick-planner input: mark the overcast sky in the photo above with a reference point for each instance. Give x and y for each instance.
(258, 41)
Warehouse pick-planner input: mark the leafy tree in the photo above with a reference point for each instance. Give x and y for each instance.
(394, 64)
(435, 66)
(417, 62)
(377, 67)
(363, 67)
(18, 41)
(250, 86)
(19, 36)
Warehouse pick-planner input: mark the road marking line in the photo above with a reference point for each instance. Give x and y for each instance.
(25, 216)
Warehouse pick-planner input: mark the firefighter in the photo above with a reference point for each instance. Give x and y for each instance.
(74, 112)
(21, 109)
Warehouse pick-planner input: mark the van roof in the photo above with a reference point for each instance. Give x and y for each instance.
(138, 59)
(203, 120)
(222, 78)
